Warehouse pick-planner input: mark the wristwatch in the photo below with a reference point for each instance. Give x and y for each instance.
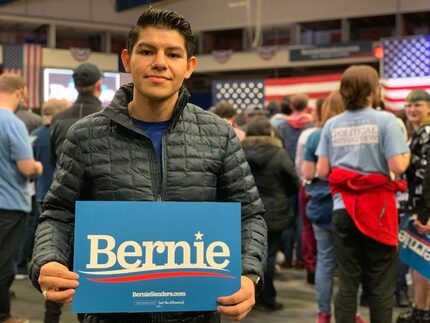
(258, 282)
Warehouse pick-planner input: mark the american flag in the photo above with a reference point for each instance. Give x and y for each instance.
(26, 61)
(405, 67)
(242, 93)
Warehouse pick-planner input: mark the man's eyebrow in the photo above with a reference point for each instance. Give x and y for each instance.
(149, 45)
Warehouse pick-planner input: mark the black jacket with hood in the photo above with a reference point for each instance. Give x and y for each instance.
(107, 158)
(275, 177)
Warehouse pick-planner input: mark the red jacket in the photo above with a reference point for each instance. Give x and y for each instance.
(370, 201)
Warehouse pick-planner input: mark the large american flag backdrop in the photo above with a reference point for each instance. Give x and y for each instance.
(26, 61)
(405, 67)
(242, 93)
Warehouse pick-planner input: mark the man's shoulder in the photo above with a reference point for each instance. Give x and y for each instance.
(203, 117)
(11, 120)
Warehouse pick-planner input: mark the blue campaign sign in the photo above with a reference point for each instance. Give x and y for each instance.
(415, 249)
(155, 256)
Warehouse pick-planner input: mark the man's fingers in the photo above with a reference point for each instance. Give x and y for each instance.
(57, 270)
(58, 283)
(64, 296)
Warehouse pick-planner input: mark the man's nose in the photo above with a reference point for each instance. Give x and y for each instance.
(159, 61)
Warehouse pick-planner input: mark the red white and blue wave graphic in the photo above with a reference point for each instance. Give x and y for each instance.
(133, 275)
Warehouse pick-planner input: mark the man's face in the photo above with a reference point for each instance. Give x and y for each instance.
(158, 63)
(417, 111)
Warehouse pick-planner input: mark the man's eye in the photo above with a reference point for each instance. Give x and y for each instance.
(146, 52)
(174, 55)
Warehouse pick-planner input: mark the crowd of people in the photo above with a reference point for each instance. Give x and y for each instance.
(322, 185)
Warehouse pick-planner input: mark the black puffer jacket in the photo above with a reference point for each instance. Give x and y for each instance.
(84, 105)
(275, 176)
(106, 157)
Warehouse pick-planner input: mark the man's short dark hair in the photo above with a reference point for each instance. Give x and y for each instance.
(225, 109)
(162, 18)
(286, 105)
(85, 89)
(259, 126)
(358, 83)
(299, 102)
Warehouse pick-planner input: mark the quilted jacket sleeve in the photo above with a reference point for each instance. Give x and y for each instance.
(236, 184)
(54, 234)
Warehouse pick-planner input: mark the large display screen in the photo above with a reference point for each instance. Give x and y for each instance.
(58, 83)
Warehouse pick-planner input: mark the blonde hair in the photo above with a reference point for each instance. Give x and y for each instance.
(332, 106)
(11, 82)
(53, 106)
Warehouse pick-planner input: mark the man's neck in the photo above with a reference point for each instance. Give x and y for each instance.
(152, 111)
(6, 106)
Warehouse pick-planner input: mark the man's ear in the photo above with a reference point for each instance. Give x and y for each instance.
(125, 58)
(191, 65)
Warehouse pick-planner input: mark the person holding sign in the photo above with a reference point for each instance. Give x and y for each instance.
(150, 144)
(417, 109)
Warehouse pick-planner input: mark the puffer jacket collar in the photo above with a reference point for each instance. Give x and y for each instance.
(117, 110)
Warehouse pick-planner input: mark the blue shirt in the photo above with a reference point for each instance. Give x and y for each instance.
(42, 153)
(155, 131)
(14, 146)
(361, 141)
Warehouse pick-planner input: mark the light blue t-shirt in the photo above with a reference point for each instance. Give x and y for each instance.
(361, 141)
(14, 145)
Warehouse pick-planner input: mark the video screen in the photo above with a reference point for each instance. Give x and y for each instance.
(58, 83)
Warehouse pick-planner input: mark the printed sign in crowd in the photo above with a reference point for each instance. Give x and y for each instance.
(415, 249)
(155, 256)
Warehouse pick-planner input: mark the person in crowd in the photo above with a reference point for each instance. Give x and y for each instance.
(358, 149)
(276, 180)
(285, 110)
(42, 152)
(148, 125)
(417, 110)
(319, 209)
(226, 111)
(31, 121)
(308, 236)
(88, 83)
(272, 108)
(17, 165)
(251, 112)
(290, 129)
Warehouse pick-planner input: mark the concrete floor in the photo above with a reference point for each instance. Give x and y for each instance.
(297, 296)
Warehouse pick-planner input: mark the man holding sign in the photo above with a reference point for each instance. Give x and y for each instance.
(150, 144)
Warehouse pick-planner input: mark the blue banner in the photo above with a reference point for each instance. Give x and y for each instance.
(415, 249)
(155, 256)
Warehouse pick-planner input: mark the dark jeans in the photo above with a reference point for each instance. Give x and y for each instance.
(268, 293)
(293, 235)
(26, 247)
(11, 228)
(359, 256)
(52, 312)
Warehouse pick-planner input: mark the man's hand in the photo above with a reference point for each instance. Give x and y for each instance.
(421, 228)
(238, 305)
(57, 282)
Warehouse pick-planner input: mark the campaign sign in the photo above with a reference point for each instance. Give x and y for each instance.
(155, 256)
(415, 249)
